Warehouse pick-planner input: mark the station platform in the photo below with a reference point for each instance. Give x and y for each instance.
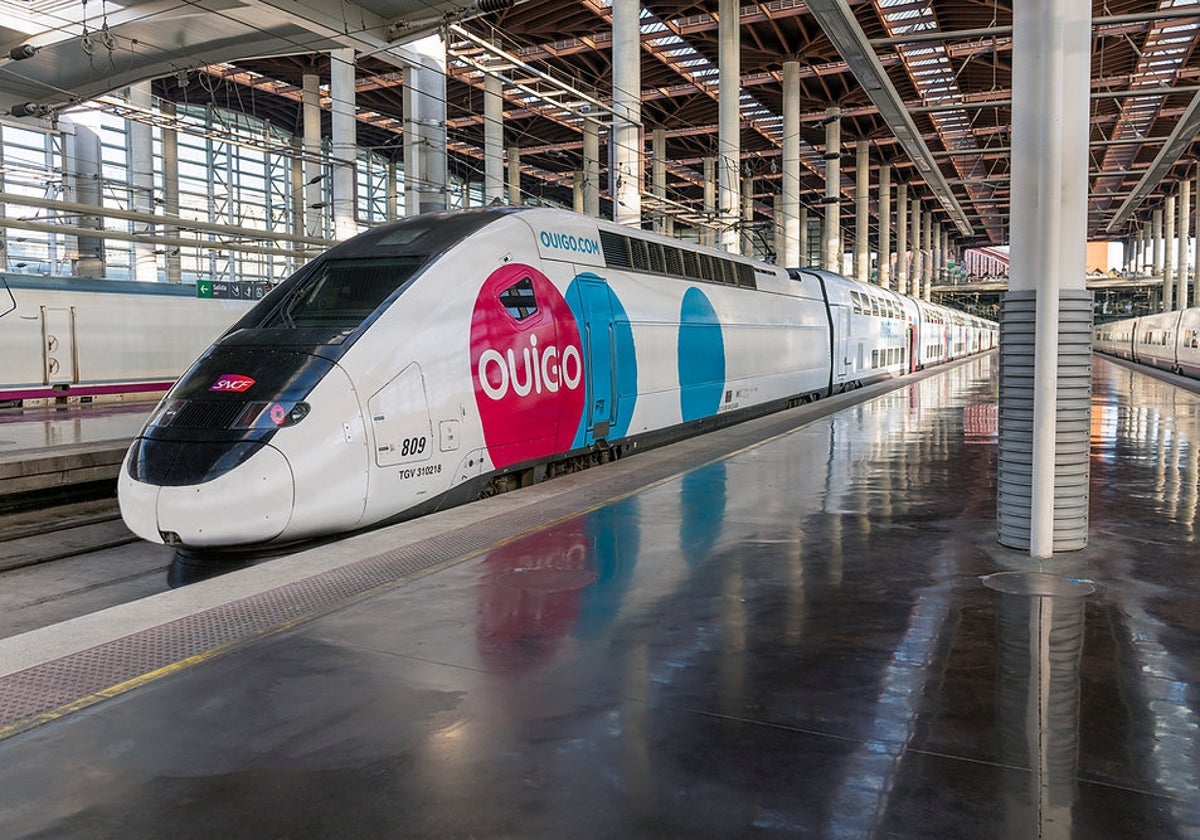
(801, 626)
(50, 448)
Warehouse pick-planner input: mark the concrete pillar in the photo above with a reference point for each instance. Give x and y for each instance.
(82, 161)
(1147, 265)
(1168, 262)
(1045, 372)
(729, 126)
(493, 140)
(141, 182)
(914, 266)
(831, 234)
(1181, 263)
(577, 179)
(885, 226)
(314, 215)
(747, 218)
(939, 255)
(658, 179)
(394, 208)
(425, 125)
(625, 141)
(790, 204)
(926, 254)
(902, 285)
(1156, 228)
(947, 256)
(170, 158)
(862, 206)
(804, 246)
(514, 176)
(777, 228)
(591, 168)
(1193, 298)
(344, 149)
(708, 234)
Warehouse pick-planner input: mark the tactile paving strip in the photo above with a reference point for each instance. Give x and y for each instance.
(46, 692)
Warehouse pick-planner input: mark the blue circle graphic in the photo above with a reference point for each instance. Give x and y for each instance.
(610, 359)
(701, 357)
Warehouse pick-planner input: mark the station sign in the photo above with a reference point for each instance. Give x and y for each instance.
(231, 290)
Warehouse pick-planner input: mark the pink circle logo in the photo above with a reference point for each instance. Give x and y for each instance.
(526, 366)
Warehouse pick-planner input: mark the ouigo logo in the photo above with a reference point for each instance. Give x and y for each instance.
(232, 383)
(527, 366)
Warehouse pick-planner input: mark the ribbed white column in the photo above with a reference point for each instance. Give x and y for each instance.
(1181, 270)
(885, 226)
(314, 217)
(1168, 271)
(514, 176)
(902, 239)
(729, 127)
(1045, 321)
(862, 205)
(493, 139)
(831, 231)
(790, 205)
(708, 234)
(591, 168)
(344, 149)
(625, 182)
(170, 157)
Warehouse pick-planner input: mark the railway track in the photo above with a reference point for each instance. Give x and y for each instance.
(70, 560)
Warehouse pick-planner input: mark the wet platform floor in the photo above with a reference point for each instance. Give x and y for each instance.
(794, 641)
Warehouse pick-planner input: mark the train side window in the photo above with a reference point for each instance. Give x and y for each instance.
(519, 299)
(640, 256)
(674, 260)
(658, 262)
(874, 306)
(616, 249)
(691, 264)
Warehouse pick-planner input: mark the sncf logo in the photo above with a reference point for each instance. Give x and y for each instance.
(232, 383)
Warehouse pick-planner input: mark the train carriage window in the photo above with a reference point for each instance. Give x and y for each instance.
(639, 254)
(691, 264)
(746, 276)
(674, 260)
(616, 249)
(875, 306)
(706, 267)
(519, 299)
(658, 260)
(856, 303)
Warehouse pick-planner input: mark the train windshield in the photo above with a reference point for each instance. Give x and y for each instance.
(339, 294)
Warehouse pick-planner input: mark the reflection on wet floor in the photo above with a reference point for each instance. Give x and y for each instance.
(817, 637)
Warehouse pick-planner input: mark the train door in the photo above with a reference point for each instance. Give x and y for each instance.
(913, 358)
(597, 333)
(59, 357)
(843, 355)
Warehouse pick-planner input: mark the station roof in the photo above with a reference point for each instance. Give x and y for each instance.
(941, 118)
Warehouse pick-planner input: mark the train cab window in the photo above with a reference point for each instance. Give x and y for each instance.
(340, 294)
(856, 302)
(519, 299)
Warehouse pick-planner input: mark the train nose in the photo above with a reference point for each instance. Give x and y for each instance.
(250, 504)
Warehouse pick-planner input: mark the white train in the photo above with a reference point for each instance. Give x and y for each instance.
(427, 362)
(1167, 340)
(82, 340)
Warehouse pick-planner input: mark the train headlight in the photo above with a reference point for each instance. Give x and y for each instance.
(263, 415)
(167, 413)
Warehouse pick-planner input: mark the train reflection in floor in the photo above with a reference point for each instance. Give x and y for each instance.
(817, 637)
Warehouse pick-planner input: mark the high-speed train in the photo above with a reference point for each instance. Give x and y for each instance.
(452, 355)
(1167, 340)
